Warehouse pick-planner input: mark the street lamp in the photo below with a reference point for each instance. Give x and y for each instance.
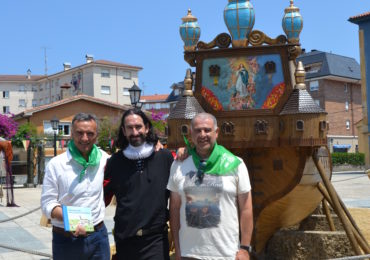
(55, 125)
(135, 93)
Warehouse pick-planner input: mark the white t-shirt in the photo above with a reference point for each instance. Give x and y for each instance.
(209, 217)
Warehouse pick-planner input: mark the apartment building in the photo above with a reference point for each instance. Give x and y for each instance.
(102, 79)
(334, 82)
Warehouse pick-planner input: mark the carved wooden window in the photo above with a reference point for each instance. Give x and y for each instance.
(261, 127)
(184, 129)
(300, 125)
(323, 125)
(227, 128)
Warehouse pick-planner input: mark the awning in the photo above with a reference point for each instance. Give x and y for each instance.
(342, 146)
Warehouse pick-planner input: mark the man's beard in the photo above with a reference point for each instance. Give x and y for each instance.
(136, 140)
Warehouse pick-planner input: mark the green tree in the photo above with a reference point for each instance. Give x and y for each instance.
(26, 131)
(107, 131)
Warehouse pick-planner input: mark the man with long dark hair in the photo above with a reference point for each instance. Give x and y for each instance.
(137, 175)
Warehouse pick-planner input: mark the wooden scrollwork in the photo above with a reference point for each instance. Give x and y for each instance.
(257, 38)
(222, 41)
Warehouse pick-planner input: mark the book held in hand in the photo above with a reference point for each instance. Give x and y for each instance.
(74, 216)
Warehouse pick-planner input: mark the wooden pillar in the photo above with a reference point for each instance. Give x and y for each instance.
(337, 207)
(328, 215)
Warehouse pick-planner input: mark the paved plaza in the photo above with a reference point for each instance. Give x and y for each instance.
(27, 234)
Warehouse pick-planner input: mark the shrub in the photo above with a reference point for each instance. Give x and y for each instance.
(8, 127)
(26, 131)
(348, 158)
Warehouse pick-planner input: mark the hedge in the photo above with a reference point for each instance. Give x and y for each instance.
(348, 158)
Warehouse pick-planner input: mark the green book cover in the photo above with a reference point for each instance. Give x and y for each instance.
(74, 216)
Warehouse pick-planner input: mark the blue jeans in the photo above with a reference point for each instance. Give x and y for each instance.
(95, 246)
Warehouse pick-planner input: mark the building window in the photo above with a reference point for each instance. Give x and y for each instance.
(105, 73)
(125, 91)
(64, 128)
(22, 88)
(34, 102)
(346, 105)
(164, 105)
(314, 85)
(105, 90)
(317, 101)
(6, 110)
(47, 100)
(22, 103)
(313, 68)
(176, 92)
(34, 88)
(347, 124)
(345, 87)
(127, 75)
(6, 94)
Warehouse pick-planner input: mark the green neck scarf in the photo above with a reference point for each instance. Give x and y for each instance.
(220, 162)
(94, 157)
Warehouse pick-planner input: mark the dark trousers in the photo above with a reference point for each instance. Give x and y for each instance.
(150, 247)
(95, 246)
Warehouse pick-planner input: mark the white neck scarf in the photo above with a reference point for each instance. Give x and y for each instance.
(138, 152)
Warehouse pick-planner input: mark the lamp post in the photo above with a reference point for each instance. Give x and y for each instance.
(55, 125)
(135, 93)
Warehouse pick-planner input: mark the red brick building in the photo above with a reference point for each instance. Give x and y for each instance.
(334, 82)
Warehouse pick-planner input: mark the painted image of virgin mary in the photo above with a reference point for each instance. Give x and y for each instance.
(242, 81)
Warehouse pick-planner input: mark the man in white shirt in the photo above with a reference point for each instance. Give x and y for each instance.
(210, 199)
(75, 178)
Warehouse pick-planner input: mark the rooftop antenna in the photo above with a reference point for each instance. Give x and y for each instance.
(46, 60)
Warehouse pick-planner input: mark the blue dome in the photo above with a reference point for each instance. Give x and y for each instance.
(292, 23)
(239, 18)
(189, 31)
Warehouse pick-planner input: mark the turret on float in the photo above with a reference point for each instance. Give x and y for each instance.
(181, 115)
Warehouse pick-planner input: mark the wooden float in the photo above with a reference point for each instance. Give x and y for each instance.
(256, 90)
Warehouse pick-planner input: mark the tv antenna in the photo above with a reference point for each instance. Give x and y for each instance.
(45, 60)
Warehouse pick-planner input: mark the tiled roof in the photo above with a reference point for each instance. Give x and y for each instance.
(22, 78)
(156, 97)
(360, 17)
(113, 63)
(301, 102)
(332, 65)
(69, 100)
(186, 108)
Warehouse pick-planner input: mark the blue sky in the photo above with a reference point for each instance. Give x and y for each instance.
(146, 33)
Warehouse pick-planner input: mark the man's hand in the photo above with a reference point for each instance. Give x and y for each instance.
(182, 154)
(57, 213)
(80, 231)
(242, 255)
(158, 146)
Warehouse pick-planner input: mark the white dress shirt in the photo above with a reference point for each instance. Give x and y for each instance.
(62, 186)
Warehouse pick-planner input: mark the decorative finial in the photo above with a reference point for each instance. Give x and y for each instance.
(292, 23)
(239, 18)
(300, 76)
(189, 31)
(188, 82)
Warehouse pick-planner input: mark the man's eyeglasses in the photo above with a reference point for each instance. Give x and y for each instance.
(200, 172)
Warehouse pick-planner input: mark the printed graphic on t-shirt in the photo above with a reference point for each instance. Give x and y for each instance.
(202, 208)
